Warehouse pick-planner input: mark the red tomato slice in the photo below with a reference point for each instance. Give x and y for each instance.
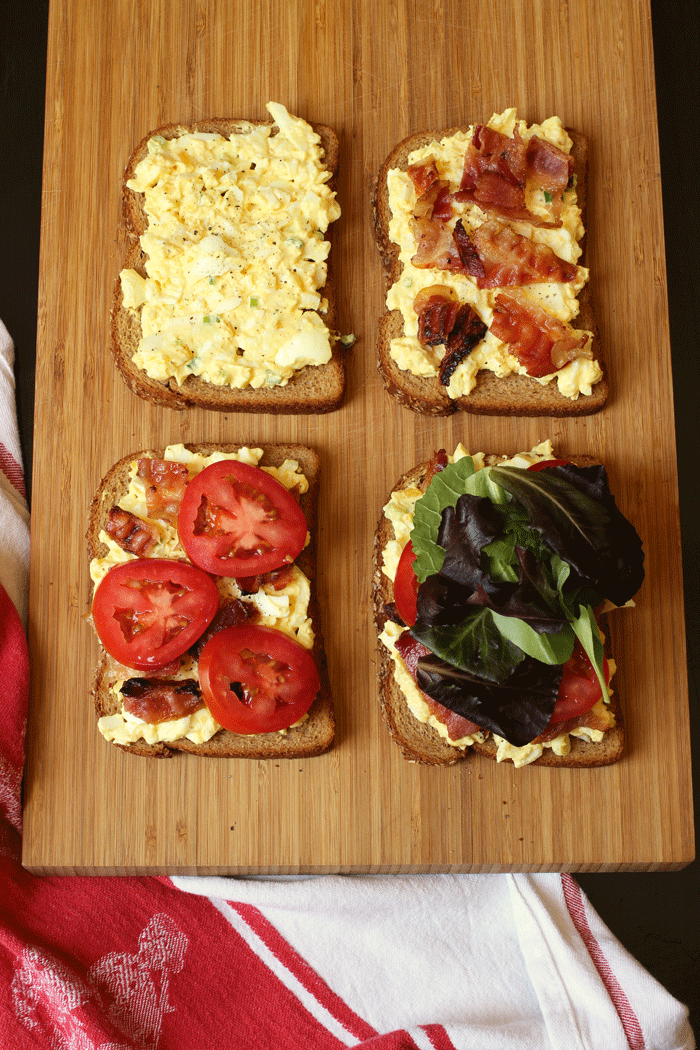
(548, 463)
(256, 679)
(236, 520)
(406, 586)
(149, 611)
(579, 689)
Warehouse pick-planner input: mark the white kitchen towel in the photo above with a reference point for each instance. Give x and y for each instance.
(14, 521)
(475, 962)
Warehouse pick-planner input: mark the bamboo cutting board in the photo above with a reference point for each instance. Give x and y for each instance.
(375, 70)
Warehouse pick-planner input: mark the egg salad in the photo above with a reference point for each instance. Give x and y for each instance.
(559, 299)
(399, 511)
(236, 255)
(285, 609)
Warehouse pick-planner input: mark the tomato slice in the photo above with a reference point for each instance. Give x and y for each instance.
(579, 689)
(149, 611)
(548, 463)
(406, 586)
(237, 520)
(257, 679)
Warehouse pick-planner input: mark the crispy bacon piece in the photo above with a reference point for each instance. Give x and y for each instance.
(132, 533)
(492, 153)
(411, 651)
(495, 173)
(165, 486)
(157, 700)
(467, 332)
(591, 719)
(436, 464)
(232, 613)
(279, 578)
(508, 259)
(436, 319)
(432, 210)
(541, 343)
(549, 166)
(466, 249)
(442, 320)
(423, 177)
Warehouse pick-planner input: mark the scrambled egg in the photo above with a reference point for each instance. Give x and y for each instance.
(399, 511)
(559, 299)
(236, 255)
(285, 609)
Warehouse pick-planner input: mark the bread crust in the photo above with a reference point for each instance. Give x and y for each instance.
(512, 395)
(314, 389)
(419, 742)
(316, 734)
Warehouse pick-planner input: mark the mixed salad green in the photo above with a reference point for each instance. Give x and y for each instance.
(511, 564)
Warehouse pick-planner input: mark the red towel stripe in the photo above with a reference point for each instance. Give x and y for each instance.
(303, 973)
(12, 470)
(577, 911)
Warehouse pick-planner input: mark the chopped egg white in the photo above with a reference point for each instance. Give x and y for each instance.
(558, 299)
(236, 255)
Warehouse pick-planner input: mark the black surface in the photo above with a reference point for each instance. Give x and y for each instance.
(655, 915)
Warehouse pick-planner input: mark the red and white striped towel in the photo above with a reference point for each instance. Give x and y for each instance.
(434, 962)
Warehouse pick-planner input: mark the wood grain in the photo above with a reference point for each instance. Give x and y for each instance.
(375, 70)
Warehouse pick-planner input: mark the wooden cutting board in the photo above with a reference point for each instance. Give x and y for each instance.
(375, 70)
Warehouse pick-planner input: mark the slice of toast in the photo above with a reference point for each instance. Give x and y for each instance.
(315, 734)
(313, 389)
(510, 395)
(420, 742)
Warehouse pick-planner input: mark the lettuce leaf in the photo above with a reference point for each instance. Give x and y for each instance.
(575, 512)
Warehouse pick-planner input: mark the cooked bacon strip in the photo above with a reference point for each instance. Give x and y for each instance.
(590, 719)
(410, 652)
(508, 259)
(541, 343)
(490, 152)
(549, 166)
(157, 700)
(494, 176)
(442, 320)
(232, 613)
(132, 533)
(437, 463)
(433, 208)
(467, 332)
(436, 319)
(468, 256)
(165, 486)
(279, 578)
(423, 176)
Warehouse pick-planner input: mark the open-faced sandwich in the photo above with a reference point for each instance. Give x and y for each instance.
(490, 578)
(226, 300)
(481, 233)
(203, 563)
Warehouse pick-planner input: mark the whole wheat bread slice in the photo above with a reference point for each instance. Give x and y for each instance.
(314, 389)
(512, 395)
(315, 735)
(420, 742)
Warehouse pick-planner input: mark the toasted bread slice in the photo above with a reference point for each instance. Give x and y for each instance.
(315, 734)
(511, 395)
(420, 742)
(313, 389)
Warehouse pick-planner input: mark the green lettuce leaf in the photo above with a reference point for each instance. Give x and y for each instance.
(444, 491)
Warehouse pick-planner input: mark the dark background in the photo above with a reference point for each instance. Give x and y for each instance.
(656, 915)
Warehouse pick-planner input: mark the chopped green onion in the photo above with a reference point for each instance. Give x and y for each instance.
(548, 196)
(253, 302)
